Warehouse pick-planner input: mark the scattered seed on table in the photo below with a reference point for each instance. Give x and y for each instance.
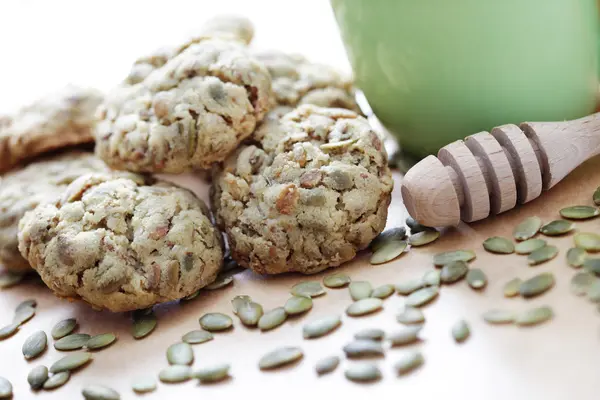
(363, 348)
(101, 341)
(511, 288)
(499, 245)
(422, 296)
(360, 290)
(363, 372)
(214, 322)
(37, 376)
(592, 265)
(411, 315)
(56, 380)
(213, 373)
(9, 279)
(280, 357)
(73, 341)
(527, 229)
(576, 257)
(476, 278)
(587, 241)
(370, 334)
(24, 315)
(63, 328)
(327, 365)
(407, 287)
(416, 227)
(364, 306)
(593, 293)
(405, 335)
(26, 303)
(557, 228)
(175, 374)
(454, 272)
(250, 313)
(308, 289)
(34, 345)
(542, 255)
(70, 362)
(529, 246)
(408, 362)
(579, 212)
(537, 285)
(192, 296)
(498, 317)
(99, 392)
(197, 337)
(8, 330)
(272, 319)
(423, 238)
(336, 281)
(321, 326)
(238, 301)
(535, 316)
(388, 252)
(180, 354)
(432, 278)
(460, 331)
(596, 197)
(297, 305)
(220, 283)
(383, 291)
(393, 234)
(447, 257)
(581, 282)
(143, 326)
(144, 384)
(6, 389)
(411, 222)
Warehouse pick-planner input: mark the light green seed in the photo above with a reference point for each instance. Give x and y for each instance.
(410, 316)
(272, 319)
(364, 307)
(192, 296)
(527, 229)
(220, 282)
(23, 315)
(576, 257)
(37, 376)
(280, 357)
(9, 279)
(8, 330)
(383, 291)
(6, 389)
(180, 354)
(99, 392)
(360, 290)
(101, 341)
(388, 252)
(460, 331)
(592, 265)
(448, 257)
(587, 241)
(579, 212)
(409, 361)
(70, 362)
(145, 384)
(34, 345)
(370, 334)
(56, 380)
(298, 305)
(537, 285)
(581, 282)
(26, 303)
(557, 228)
(499, 245)
(308, 289)
(476, 279)
(406, 335)
(529, 246)
(423, 238)
(390, 235)
(534, 316)
(542, 255)
(327, 365)
(406, 288)
(432, 278)
(336, 281)
(63, 328)
(143, 326)
(214, 322)
(238, 301)
(363, 372)
(422, 296)
(416, 227)
(511, 288)
(498, 317)
(250, 313)
(363, 348)
(214, 373)
(593, 293)
(596, 197)
(72, 342)
(321, 326)
(197, 337)
(454, 272)
(175, 374)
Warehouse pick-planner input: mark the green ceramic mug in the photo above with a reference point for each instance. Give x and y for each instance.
(435, 71)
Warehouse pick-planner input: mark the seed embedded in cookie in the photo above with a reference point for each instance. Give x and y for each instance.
(122, 242)
(309, 191)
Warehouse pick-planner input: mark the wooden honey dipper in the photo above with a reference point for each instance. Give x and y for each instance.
(489, 173)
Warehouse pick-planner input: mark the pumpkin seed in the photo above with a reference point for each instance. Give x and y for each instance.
(588, 241)
(404, 336)
(238, 301)
(142, 312)
(557, 228)
(448, 257)
(272, 319)
(360, 290)
(63, 328)
(581, 282)
(220, 282)
(411, 222)
(498, 317)
(416, 227)
(406, 288)
(454, 272)
(144, 326)
(56, 380)
(26, 303)
(308, 289)
(211, 374)
(34, 345)
(297, 305)
(364, 306)
(383, 291)
(100, 341)
(363, 348)
(370, 334)
(214, 322)
(9, 279)
(280, 357)
(72, 342)
(145, 384)
(24, 315)
(596, 197)
(70, 362)
(593, 293)
(391, 235)
(511, 288)
(537, 285)
(321, 326)
(197, 336)
(37, 376)
(8, 331)
(336, 281)
(422, 296)
(499, 245)
(527, 229)
(529, 246)
(534, 316)
(542, 255)
(476, 278)
(250, 313)
(363, 372)
(6, 389)
(327, 365)
(576, 257)
(99, 392)
(579, 212)
(423, 238)
(175, 374)
(192, 296)
(592, 265)
(432, 278)
(410, 316)
(388, 252)
(409, 361)
(180, 354)
(460, 331)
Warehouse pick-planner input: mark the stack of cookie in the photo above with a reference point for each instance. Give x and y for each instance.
(300, 180)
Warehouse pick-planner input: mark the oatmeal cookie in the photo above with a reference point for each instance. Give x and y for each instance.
(58, 120)
(143, 66)
(306, 193)
(188, 114)
(122, 242)
(41, 181)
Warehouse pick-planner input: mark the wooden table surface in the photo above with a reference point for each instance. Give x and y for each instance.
(556, 361)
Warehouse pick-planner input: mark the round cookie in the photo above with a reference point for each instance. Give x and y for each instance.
(122, 242)
(58, 120)
(186, 115)
(41, 181)
(306, 193)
